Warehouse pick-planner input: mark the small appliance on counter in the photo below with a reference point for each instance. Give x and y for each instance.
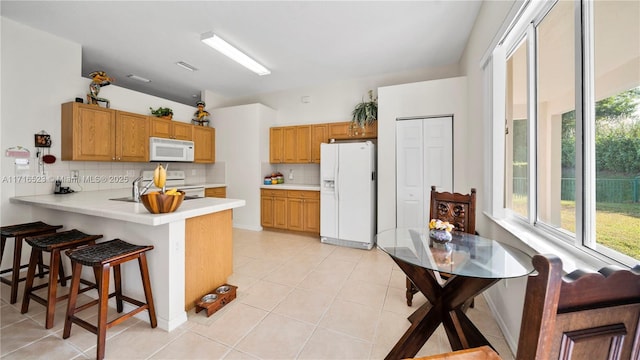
(59, 189)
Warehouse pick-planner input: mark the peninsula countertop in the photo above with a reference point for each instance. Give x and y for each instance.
(97, 203)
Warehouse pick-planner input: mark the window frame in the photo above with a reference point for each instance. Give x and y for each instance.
(582, 246)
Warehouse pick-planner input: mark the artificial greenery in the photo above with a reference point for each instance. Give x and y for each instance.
(366, 113)
(161, 111)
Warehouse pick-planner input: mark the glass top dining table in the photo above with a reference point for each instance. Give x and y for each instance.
(465, 255)
(472, 264)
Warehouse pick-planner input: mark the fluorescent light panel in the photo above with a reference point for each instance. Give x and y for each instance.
(236, 55)
(186, 66)
(139, 78)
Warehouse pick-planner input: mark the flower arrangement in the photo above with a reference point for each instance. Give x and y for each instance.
(440, 225)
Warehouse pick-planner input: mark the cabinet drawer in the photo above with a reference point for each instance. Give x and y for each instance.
(270, 192)
(303, 194)
(220, 192)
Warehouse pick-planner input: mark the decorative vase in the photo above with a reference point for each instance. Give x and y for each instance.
(440, 236)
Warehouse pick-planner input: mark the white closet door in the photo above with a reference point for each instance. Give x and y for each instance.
(424, 157)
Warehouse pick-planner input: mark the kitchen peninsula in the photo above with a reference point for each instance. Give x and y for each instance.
(192, 246)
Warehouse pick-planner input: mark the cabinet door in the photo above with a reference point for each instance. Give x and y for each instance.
(312, 215)
(295, 209)
(289, 144)
(160, 127)
(303, 144)
(88, 132)
(204, 142)
(132, 137)
(276, 145)
(182, 131)
(280, 212)
(266, 211)
(319, 135)
(339, 130)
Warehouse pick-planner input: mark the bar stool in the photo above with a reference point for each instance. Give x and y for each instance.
(19, 232)
(53, 243)
(102, 257)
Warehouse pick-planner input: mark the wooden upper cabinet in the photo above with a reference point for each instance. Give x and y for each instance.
(303, 144)
(276, 145)
(132, 137)
(88, 132)
(297, 144)
(183, 131)
(289, 144)
(319, 135)
(204, 139)
(169, 129)
(339, 130)
(346, 130)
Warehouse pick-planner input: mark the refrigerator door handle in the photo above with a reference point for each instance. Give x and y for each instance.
(336, 177)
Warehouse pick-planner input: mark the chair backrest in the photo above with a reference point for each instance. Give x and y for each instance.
(457, 209)
(583, 315)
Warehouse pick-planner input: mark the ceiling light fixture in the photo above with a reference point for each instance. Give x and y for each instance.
(186, 66)
(139, 78)
(236, 55)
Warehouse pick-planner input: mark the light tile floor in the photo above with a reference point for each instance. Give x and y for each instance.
(297, 299)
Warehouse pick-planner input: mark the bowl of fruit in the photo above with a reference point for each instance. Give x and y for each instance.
(160, 202)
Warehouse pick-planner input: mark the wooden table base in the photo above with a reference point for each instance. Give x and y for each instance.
(447, 305)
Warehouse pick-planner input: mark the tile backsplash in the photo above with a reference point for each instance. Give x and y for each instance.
(303, 174)
(106, 175)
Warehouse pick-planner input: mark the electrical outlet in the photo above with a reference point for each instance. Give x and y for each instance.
(75, 174)
(194, 172)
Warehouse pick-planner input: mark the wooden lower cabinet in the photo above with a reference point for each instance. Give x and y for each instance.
(273, 205)
(217, 192)
(295, 210)
(208, 254)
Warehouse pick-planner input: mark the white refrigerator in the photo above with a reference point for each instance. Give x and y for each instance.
(348, 194)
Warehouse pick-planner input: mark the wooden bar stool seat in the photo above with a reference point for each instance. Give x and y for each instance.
(19, 232)
(54, 244)
(102, 257)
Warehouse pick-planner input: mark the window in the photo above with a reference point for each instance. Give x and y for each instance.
(516, 133)
(571, 155)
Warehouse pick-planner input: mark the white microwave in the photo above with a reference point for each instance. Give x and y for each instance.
(161, 149)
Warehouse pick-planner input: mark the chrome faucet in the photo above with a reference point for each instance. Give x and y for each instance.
(136, 192)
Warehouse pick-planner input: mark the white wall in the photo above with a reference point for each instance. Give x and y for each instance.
(427, 98)
(334, 102)
(242, 143)
(40, 72)
(506, 298)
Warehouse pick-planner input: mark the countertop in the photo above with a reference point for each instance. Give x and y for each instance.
(209, 185)
(97, 203)
(292, 187)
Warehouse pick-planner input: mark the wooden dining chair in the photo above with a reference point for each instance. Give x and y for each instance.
(583, 315)
(459, 210)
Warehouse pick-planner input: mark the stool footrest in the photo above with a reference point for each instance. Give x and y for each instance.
(42, 301)
(141, 306)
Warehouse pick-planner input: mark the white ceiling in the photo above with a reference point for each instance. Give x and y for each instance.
(303, 43)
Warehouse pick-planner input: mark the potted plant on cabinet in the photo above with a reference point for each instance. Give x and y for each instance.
(162, 112)
(365, 113)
